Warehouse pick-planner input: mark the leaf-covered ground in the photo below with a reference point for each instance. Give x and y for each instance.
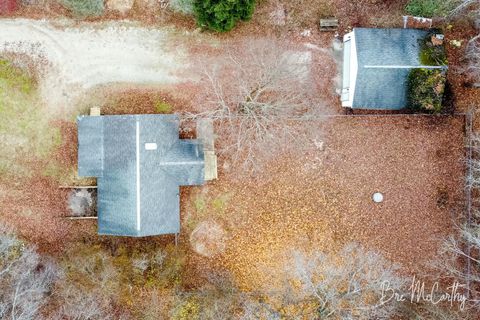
(323, 200)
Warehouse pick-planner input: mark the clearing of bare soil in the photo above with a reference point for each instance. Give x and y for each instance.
(76, 57)
(324, 200)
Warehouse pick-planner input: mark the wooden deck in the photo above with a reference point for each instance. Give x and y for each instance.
(206, 135)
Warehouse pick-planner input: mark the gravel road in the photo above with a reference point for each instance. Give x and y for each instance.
(76, 57)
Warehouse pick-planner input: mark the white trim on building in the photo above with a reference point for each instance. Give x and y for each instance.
(350, 69)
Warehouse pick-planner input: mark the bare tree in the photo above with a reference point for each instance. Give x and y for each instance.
(255, 93)
(25, 279)
(473, 58)
(352, 284)
(77, 304)
(461, 258)
(473, 176)
(156, 304)
(470, 9)
(253, 309)
(89, 286)
(221, 299)
(141, 263)
(459, 6)
(97, 270)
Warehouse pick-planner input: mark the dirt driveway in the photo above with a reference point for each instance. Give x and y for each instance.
(77, 57)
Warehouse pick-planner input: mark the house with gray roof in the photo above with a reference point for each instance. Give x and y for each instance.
(376, 65)
(140, 163)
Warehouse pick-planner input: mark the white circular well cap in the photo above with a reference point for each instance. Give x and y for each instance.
(377, 197)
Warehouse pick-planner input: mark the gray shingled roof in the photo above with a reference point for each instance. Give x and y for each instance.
(381, 53)
(138, 189)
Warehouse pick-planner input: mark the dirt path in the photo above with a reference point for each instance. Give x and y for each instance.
(75, 58)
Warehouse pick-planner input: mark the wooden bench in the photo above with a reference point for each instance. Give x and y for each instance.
(330, 24)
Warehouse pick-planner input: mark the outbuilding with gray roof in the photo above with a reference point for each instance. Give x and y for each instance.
(376, 65)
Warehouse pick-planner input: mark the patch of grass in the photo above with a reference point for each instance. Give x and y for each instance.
(84, 8)
(159, 268)
(25, 130)
(220, 202)
(54, 136)
(64, 175)
(307, 13)
(50, 170)
(207, 207)
(85, 264)
(169, 272)
(9, 168)
(15, 78)
(198, 212)
(427, 8)
(199, 204)
(163, 107)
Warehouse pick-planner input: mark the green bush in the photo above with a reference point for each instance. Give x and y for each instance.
(425, 90)
(84, 8)
(222, 15)
(426, 8)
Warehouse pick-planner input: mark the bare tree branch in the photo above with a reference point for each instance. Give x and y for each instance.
(254, 94)
(349, 284)
(25, 279)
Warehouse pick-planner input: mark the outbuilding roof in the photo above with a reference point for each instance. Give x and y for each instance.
(139, 162)
(384, 58)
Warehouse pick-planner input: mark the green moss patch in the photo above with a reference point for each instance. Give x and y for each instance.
(430, 54)
(15, 78)
(425, 90)
(205, 207)
(163, 107)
